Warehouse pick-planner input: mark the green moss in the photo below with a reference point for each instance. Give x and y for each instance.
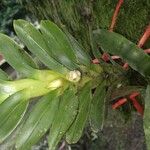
(82, 16)
(133, 19)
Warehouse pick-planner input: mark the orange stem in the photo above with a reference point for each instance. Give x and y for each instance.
(134, 94)
(144, 37)
(114, 18)
(119, 103)
(136, 104)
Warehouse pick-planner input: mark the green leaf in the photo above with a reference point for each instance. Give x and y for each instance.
(75, 131)
(97, 107)
(5, 91)
(34, 41)
(59, 45)
(12, 111)
(15, 56)
(81, 55)
(65, 116)
(3, 75)
(116, 44)
(147, 117)
(97, 54)
(38, 122)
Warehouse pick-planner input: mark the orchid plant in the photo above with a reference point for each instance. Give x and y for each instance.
(70, 89)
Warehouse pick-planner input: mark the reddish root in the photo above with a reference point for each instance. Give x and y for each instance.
(95, 61)
(119, 103)
(105, 57)
(144, 37)
(114, 18)
(136, 104)
(115, 57)
(142, 41)
(133, 95)
(116, 12)
(132, 98)
(147, 51)
(126, 66)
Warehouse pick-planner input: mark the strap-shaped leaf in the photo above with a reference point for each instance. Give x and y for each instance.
(95, 50)
(116, 44)
(75, 131)
(147, 117)
(3, 75)
(97, 107)
(65, 116)
(58, 44)
(34, 41)
(80, 53)
(38, 122)
(15, 56)
(12, 111)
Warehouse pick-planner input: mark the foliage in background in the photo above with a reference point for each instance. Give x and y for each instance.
(82, 16)
(10, 10)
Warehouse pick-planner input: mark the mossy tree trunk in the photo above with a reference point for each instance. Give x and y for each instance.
(81, 17)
